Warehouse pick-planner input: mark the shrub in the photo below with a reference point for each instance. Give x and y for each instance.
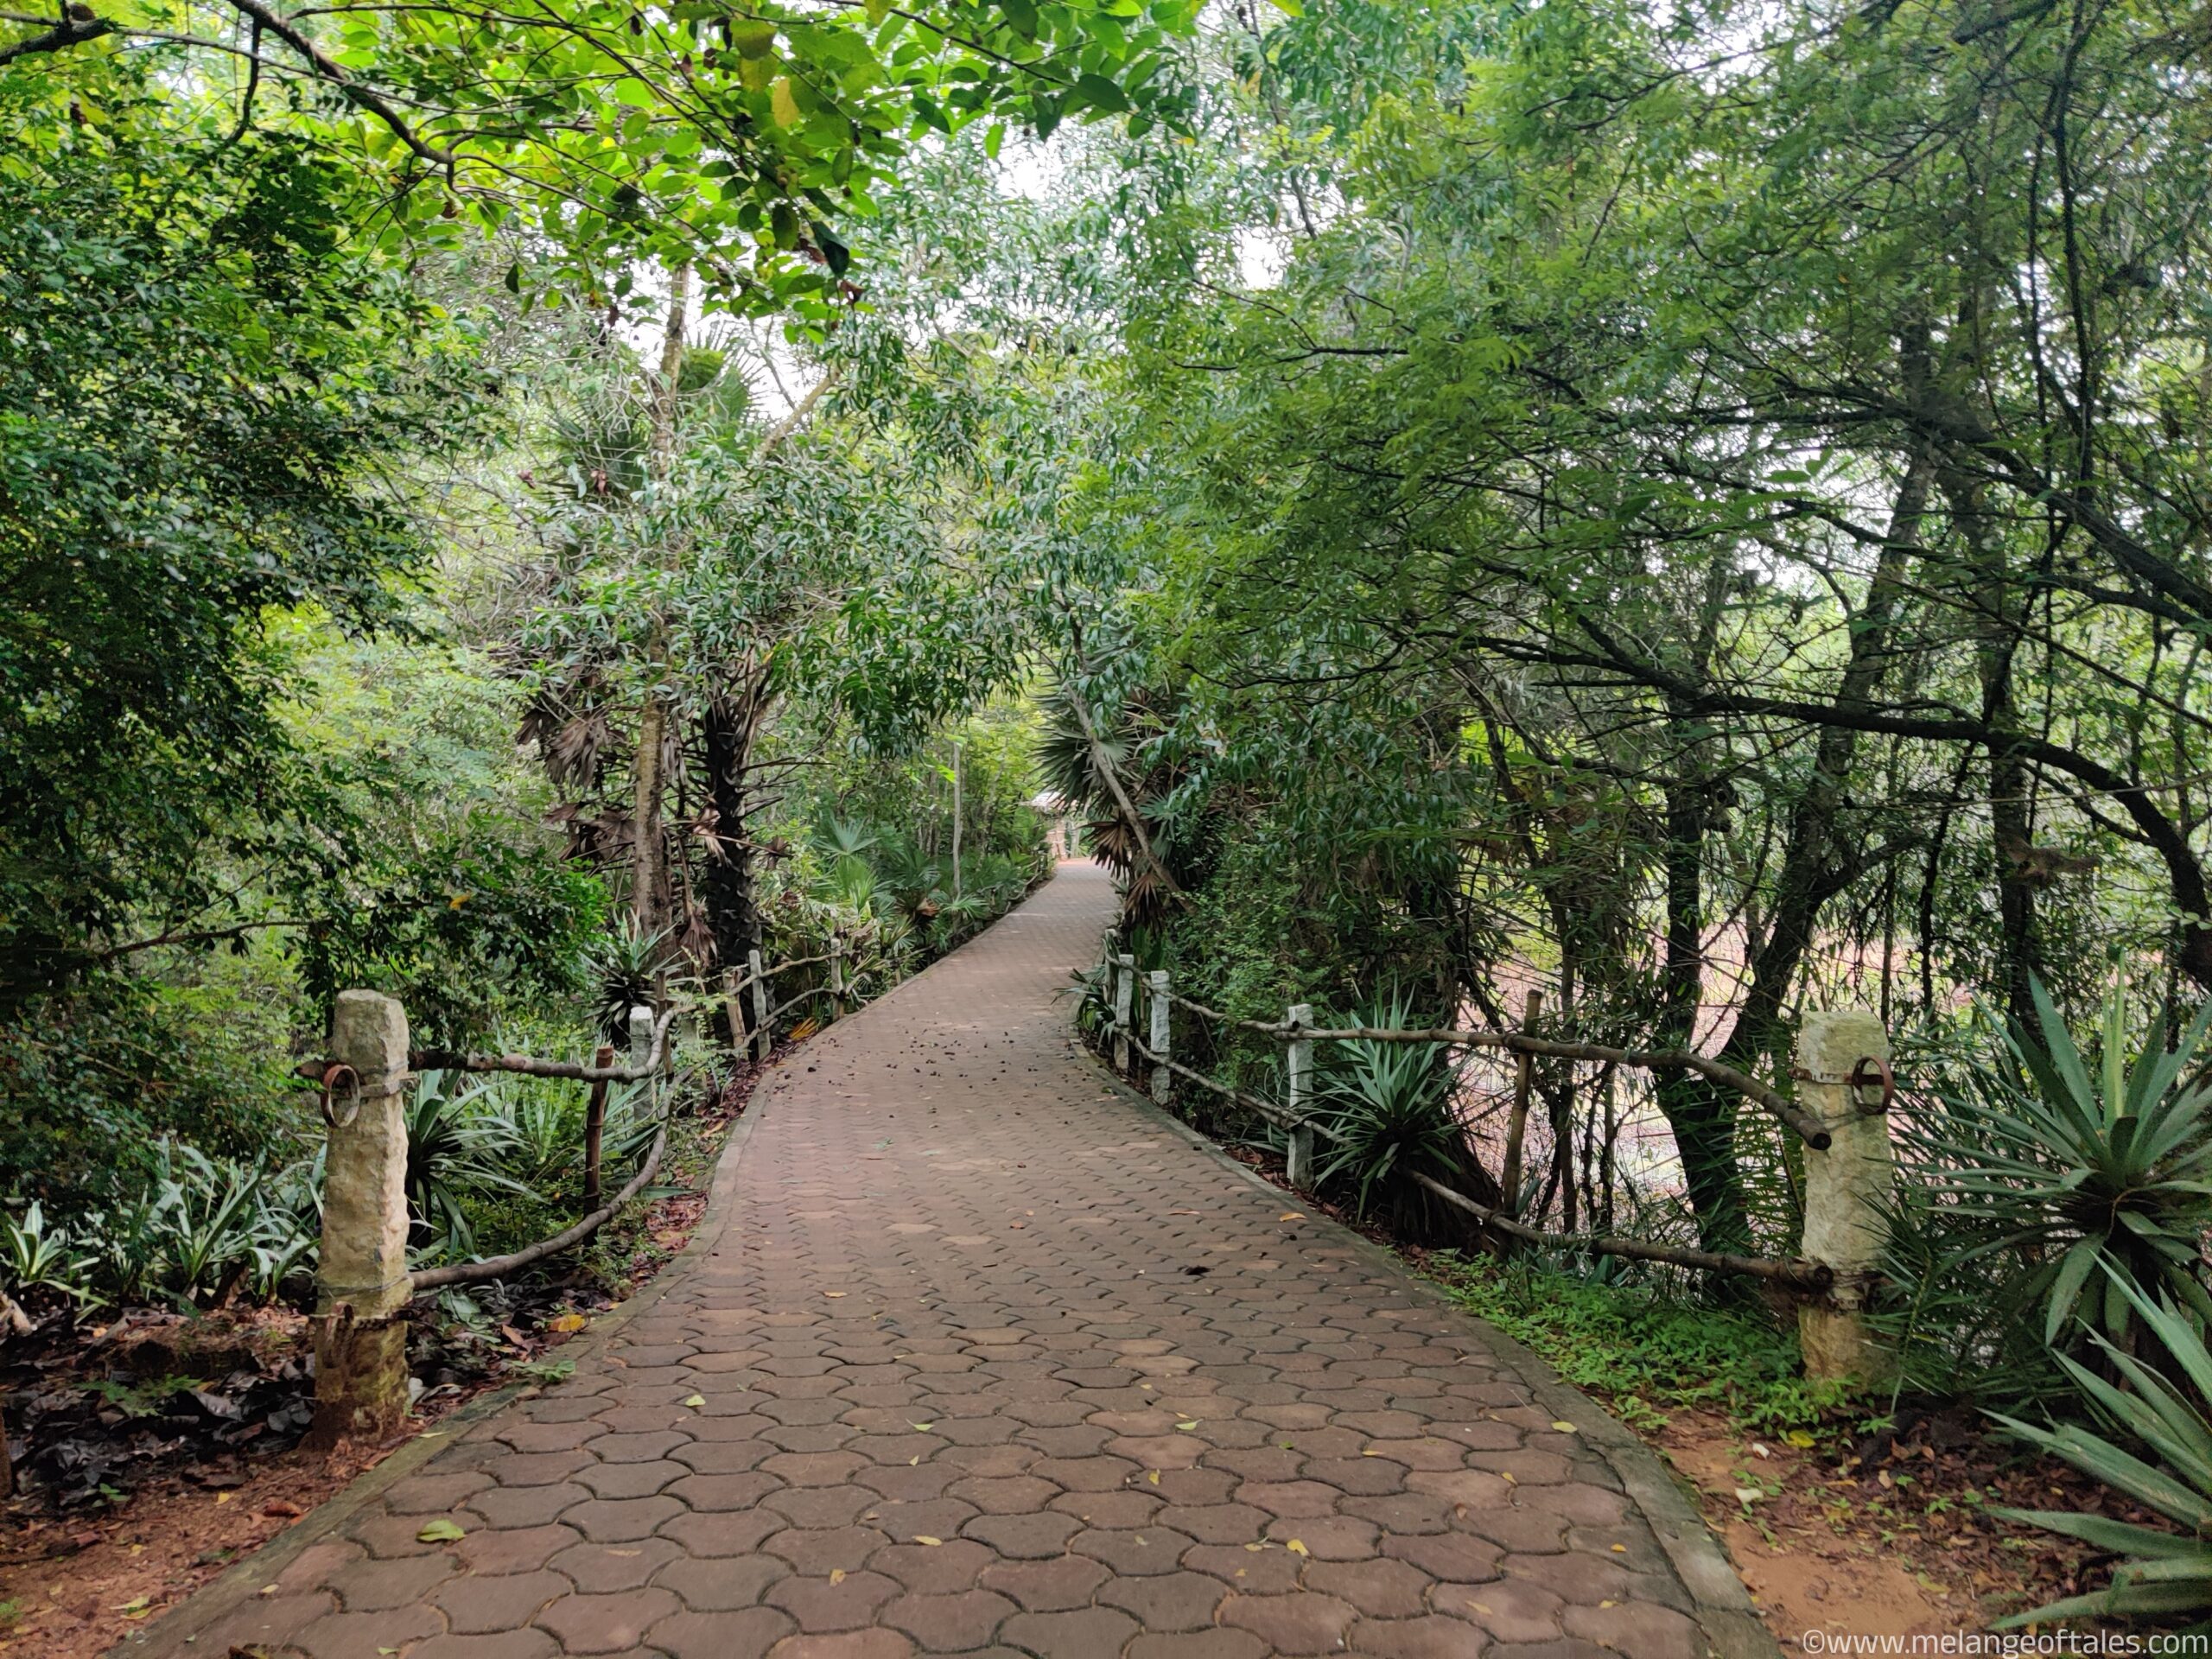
(1389, 1106)
(2163, 1574)
(2071, 1186)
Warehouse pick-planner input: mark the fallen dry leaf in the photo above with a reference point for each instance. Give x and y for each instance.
(1297, 1547)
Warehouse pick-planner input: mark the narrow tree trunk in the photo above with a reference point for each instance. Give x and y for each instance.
(649, 869)
(728, 725)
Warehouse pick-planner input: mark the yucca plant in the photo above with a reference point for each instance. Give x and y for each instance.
(38, 1255)
(624, 968)
(2163, 1574)
(1389, 1106)
(459, 1145)
(2091, 1171)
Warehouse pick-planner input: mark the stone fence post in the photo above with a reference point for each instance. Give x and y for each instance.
(362, 1283)
(1125, 992)
(1162, 1079)
(1846, 1190)
(1298, 1164)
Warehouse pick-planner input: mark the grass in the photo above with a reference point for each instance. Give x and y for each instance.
(1646, 1353)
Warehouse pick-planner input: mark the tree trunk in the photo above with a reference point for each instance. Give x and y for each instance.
(1702, 1117)
(649, 867)
(728, 725)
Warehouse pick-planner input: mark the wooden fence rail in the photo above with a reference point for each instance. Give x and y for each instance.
(1819, 1279)
(364, 1282)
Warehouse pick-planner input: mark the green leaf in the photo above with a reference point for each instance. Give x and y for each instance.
(1099, 93)
(751, 38)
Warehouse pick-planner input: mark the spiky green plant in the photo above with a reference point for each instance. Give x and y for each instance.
(2090, 1171)
(1388, 1107)
(2162, 1575)
(624, 967)
(459, 1145)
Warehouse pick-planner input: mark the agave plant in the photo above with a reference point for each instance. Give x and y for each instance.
(623, 966)
(38, 1255)
(459, 1145)
(2095, 1172)
(1388, 1107)
(2164, 1573)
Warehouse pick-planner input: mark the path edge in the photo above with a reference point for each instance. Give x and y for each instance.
(1719, 1600)
(241, 1582)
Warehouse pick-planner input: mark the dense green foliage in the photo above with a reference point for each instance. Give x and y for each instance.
(604, 135)
(200, 391)
(1702, 511)
(305, 516)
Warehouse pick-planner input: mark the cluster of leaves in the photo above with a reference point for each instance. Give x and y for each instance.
(458, 931)
(2047, 1194)
(199, 1231)
(198, 387)
(738, 140)
(95, 1080)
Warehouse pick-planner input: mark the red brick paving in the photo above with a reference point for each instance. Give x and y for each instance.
(986, 1361)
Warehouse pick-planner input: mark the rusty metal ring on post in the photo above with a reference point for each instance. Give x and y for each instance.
(333, 1074)
(1872, 1072)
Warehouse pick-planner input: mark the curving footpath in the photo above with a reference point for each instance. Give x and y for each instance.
(977, 1353)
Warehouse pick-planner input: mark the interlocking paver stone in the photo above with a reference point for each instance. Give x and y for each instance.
(942, 1349)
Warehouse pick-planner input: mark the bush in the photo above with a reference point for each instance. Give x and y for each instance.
(93, 1081)
(459, 930)
(2166, 1574)
(197, 1232)
(2054, 1195)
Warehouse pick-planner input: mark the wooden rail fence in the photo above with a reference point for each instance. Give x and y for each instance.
(1842, 1060)
(363, 1281)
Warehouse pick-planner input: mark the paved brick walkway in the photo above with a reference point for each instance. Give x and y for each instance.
(988, 1359)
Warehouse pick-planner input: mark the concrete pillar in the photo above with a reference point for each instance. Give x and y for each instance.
(1846, 1189)
(1125, 993)
(361, 1283)
(763, 1039)
(1162, 1079)
(1298, 1167)
(641, 1048)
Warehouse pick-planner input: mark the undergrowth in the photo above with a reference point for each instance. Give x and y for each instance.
(1643, 1351)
